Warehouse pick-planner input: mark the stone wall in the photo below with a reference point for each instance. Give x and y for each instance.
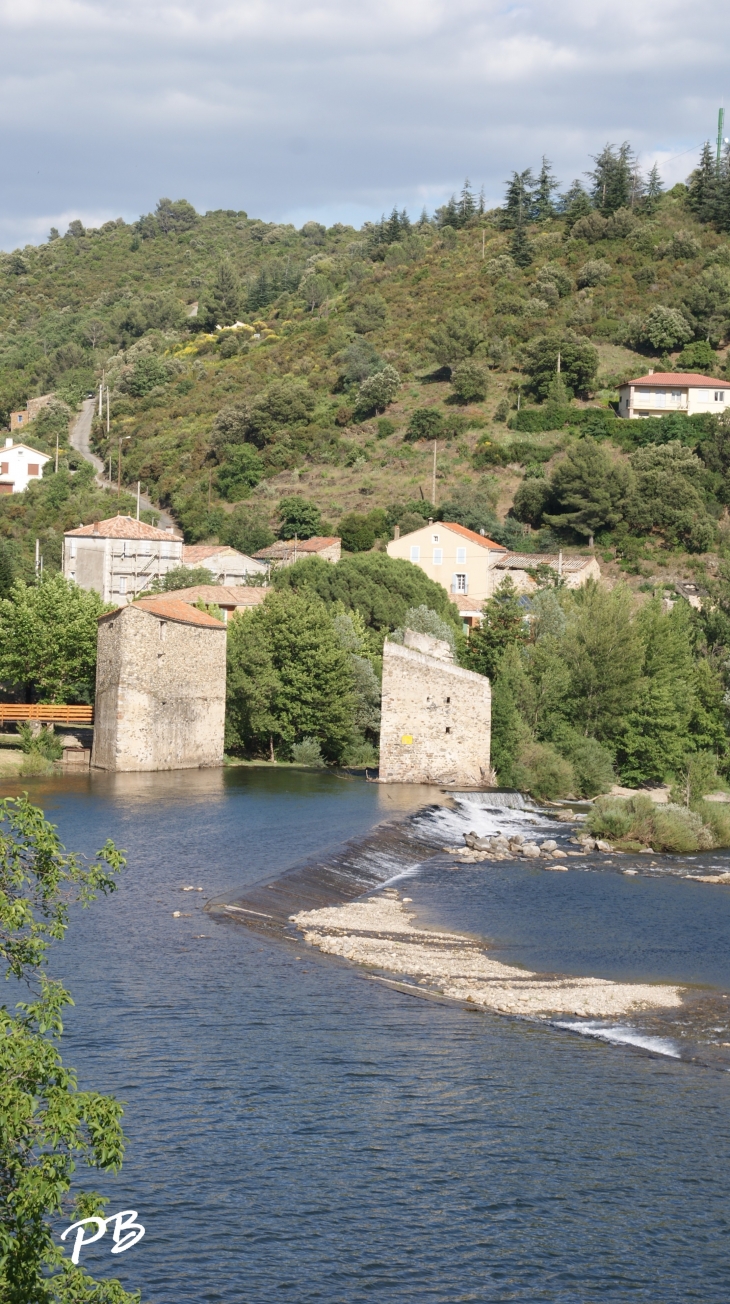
(160, 690)
(436, 718)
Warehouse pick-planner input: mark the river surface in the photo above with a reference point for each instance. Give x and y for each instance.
(299, 1132)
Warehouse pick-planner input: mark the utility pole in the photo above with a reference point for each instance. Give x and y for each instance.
(56, 452)
(210, 486)
(119, 464)
(138, 489)
(558, 361)
(101, 393)
(37, 557)
(483, 235)
(433, 482)
(107, 409)
(720, 125)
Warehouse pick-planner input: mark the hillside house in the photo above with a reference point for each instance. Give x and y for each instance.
(119, 557)
(285, 552)
(660, 392)
(228, 598)
(19, 466)
(520, 566)
(227, 565)
(459, 559)
(22, 418)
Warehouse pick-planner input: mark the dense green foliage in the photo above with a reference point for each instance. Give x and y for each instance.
(48, 641)
(49, 1126)
(587, 687)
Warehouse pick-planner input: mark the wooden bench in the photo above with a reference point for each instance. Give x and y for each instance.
(20, 712)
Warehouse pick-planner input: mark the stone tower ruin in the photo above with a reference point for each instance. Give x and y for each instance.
(160, 688)
(436, 717)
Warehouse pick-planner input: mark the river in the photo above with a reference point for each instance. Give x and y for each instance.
(300, 1132)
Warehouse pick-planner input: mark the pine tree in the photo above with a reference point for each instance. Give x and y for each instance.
(467, 205)
(503, 625)
(542, 200)
(702, 191)
(520, 247)
(222, 302)
(518, 200)
(448, 214)
(612, 178)
(653, 190)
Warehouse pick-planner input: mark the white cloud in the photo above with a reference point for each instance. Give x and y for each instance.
(326, 106)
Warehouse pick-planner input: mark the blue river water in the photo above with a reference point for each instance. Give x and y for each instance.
(298, 1132)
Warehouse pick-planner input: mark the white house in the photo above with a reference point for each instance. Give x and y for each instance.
(661, 392)
(459, 559)
(227, 565)
(119, 557)
(19, 465)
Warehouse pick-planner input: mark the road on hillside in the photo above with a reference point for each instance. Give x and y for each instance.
(81, 441)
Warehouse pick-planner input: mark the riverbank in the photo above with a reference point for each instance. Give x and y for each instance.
(380, 935)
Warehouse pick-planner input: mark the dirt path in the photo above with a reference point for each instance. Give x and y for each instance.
(80, 440)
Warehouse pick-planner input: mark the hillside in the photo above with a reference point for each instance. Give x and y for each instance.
(470, 309)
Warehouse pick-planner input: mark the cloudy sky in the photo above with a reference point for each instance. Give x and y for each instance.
(336, 109)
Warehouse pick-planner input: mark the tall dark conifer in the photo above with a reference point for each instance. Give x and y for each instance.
(703, 186)
(542, 199)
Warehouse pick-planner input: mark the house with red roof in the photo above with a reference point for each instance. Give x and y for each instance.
(119, 557)
(660, 392)
(459, 559)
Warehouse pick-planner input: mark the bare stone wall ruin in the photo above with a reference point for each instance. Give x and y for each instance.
(436, 717)
(160, 692)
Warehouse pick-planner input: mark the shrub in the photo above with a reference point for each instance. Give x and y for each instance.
(307, 752)
(422, 620)
(502, 410)
(665, 328)
(593, 765)
(469, 382)
(298, 517)
(384, 428)
(378, 390)
(698, 356)
(359, 531)
(45, 743)
(425, 423)
(594, 272)
(638, 821)
(240, 473)
(716, 816)
(542, 771)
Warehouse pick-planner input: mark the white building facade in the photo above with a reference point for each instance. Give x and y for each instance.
(19, 466)
(120, 557)
(459, 559)
(660, 392)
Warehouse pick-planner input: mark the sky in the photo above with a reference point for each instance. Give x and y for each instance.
(336, 110)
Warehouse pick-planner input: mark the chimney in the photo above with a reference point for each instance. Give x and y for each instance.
(9, 441)
(396, 532)
(96, 527)
(430, 520)
(651, 371)
(483, 533)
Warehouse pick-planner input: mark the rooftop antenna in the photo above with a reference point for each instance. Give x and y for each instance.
(720, 125)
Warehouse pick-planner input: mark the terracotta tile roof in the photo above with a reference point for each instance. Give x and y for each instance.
(172, 608)
(467, 606)
(223, 595)
(197, 553)
(121, 527)
(678, 380)
(472, 535)
(284, 548)
(530, 560)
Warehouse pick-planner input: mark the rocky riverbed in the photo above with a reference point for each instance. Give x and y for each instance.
(380, 934)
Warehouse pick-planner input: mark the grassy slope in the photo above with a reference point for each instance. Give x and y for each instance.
(55, 300)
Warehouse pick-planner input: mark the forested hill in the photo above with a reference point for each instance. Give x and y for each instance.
(359, 349)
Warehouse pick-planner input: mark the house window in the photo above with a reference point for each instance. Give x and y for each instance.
(32, 468)
(4, 468)
(460, 582)
(122, 584)
(415, 552)
(460, 556)
(719, 396)
(676, 393)
(20, 418)
(72, 548)
(438, 556)
(434, 538)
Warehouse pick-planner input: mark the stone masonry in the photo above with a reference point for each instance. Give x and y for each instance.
(160, 688)
(436, 717)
